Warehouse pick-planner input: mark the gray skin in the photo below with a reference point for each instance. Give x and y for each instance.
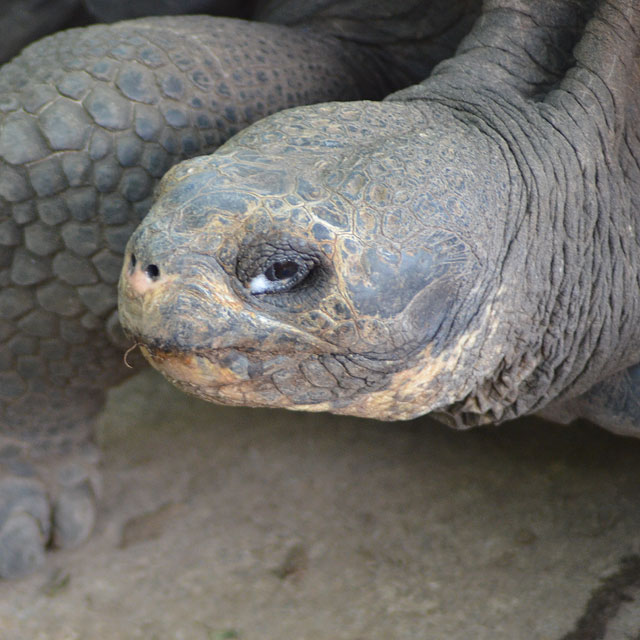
(467, 247)
(90, 119)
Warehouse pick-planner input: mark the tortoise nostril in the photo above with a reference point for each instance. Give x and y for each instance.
(132, 263)
(152, 272)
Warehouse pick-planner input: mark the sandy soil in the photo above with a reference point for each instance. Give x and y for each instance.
(221, 523)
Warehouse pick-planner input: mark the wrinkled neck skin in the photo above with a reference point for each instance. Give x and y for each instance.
(477, 233)
(562, 310)
(570, 268)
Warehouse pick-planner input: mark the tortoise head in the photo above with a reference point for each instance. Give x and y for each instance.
(326, 258)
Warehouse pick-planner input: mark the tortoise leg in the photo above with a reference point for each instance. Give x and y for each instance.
(49, 481)
(44, 502)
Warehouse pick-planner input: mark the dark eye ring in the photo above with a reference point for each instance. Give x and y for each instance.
(280, 275)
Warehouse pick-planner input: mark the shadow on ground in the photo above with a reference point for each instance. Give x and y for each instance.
(225, 523)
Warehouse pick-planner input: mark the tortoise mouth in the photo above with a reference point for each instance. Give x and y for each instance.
(211, 362)
(224, 376)
(261, 378)
(236, 376)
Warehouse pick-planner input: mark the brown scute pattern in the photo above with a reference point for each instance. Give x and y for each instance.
(90, 119)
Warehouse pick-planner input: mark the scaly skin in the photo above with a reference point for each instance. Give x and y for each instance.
(468, 247)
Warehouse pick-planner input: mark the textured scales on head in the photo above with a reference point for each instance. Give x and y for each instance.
(324, 260)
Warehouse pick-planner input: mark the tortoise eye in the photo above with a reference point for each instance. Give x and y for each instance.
(280, 275)
(280, 270)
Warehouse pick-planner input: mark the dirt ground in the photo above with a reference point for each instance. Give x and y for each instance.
(221, 523)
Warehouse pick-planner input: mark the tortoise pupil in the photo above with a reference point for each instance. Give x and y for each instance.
(282, 270)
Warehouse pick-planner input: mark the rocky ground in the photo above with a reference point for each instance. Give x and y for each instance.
(223, 523)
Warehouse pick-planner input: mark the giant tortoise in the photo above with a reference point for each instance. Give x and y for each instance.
(466, 246)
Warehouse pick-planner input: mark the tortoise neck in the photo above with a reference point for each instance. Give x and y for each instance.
(516, 46)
